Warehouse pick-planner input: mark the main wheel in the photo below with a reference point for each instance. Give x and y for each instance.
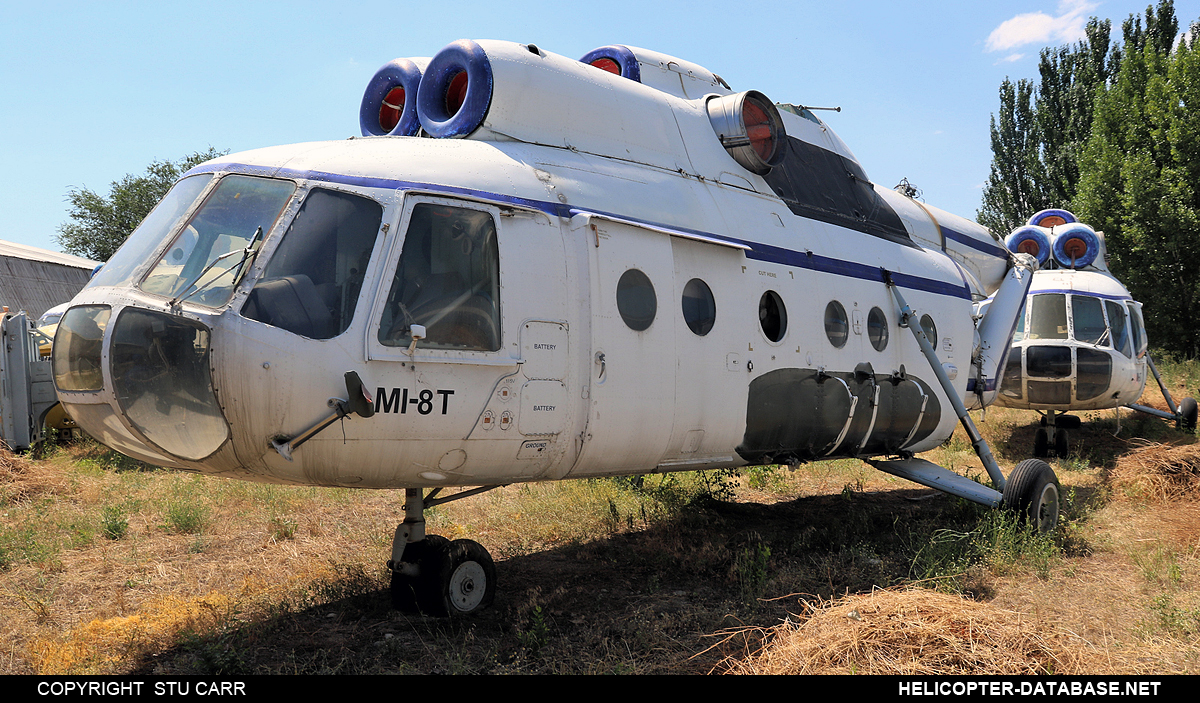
(408, 592)
(1071, 422)
(1061, 446)
(1041, 443)
(1032, 490)
(1187, 414)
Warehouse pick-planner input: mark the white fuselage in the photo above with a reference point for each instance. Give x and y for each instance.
(568, 365)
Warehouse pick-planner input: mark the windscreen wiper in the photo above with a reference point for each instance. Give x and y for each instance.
(251, 251)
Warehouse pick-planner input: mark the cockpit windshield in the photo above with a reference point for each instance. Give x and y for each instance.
(149, 235)
(1103, 323)
(1048, 319)
(201, 263)
(1088, 316)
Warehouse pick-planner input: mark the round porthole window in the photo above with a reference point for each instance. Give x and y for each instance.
(699, 308)
(636, 300)
(877, 329)
(772, 315)
(837, 325)
(930, 330)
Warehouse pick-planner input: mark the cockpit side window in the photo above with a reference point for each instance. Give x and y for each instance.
(1048, 318)
(312, 283)
(1087, 315)
(1120, 330)
(448, 280)
(204, 262)
(1139, 328)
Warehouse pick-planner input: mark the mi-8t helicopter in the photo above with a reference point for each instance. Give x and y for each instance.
(1081, 343)
(536, 268)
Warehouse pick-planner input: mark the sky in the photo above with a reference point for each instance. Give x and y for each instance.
(90, 92)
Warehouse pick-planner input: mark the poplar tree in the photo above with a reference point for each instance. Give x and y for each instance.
(1140, 176)
(1013, 185)
(1041, 133)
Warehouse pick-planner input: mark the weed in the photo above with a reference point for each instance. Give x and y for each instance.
(999, 541)
(766, 478)
(1173, 619)
(282, 528)
(1159, 566)
(112, 522)
(850, 489)
(185, 517)
(536, 634)
(750, 568)
(719, 484)
(613, 520)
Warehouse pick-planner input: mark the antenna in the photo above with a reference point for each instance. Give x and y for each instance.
(908, 190)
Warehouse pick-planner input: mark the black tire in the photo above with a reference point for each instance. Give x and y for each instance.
(1070, 422)
(1187, 415)
(455, 578)
(1041, 443)
(407, 591)
(1032, 490)
(1062, 446)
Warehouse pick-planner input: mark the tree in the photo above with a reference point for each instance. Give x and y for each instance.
(1037, 144)
(102, 223)
(1013, 186)
(1070, 79)
(1140, 176)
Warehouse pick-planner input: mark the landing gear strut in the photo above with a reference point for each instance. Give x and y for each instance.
(432, 575)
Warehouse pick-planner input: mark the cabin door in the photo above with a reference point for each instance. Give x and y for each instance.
(631, 394)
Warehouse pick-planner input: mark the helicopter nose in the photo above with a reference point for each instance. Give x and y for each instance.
(161, 380)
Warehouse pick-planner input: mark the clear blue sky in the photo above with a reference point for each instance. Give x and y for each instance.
(92, 91)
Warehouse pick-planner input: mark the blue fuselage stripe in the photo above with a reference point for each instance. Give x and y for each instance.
(758, 251)
(976, 244)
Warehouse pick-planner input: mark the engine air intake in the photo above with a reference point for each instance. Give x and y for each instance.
(389, 104)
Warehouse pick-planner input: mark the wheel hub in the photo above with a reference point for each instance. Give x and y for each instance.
(1047, 508)
(465, 595)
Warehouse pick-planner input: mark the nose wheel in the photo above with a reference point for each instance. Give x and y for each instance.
(1052, 435)
(434, 576)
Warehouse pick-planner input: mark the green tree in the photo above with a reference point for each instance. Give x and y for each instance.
(1041, 133)
(1140, 176)
(1013, 190)
(100, 224)
(1070, 79)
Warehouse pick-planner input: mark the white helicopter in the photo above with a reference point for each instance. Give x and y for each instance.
(537, 268)
(1081, 343)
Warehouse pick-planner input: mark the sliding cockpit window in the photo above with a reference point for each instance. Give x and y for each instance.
(312, 283)
(447, 280)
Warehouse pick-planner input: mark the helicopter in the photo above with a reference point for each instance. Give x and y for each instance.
(1081, 343)
(536, 268)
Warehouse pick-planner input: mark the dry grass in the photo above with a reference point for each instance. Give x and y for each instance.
(22, 480)
(920, 632)
(597, 577)
(1159, 472)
